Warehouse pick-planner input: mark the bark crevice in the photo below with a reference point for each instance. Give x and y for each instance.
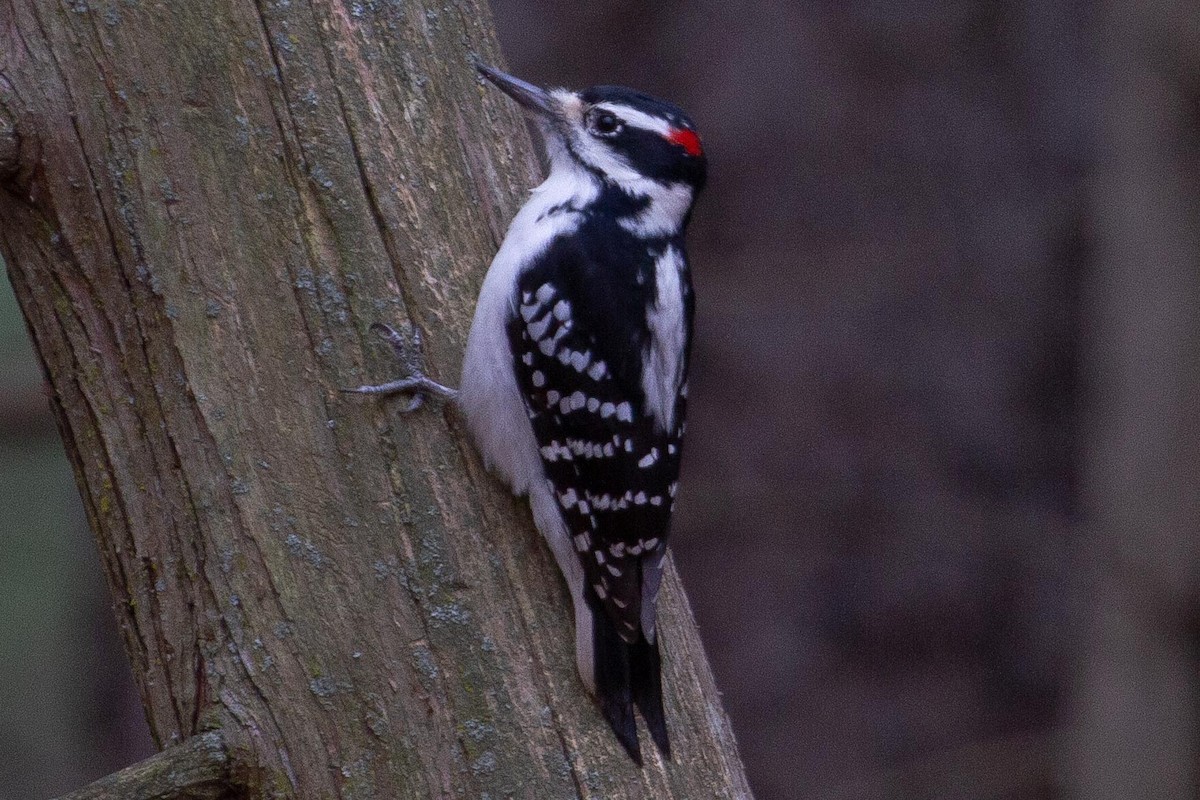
(10, 140)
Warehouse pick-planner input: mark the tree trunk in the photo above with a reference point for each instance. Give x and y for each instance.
(204, 206)
(1137, 716)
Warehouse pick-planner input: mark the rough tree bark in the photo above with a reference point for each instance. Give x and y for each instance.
(204, 206)
(1136, 710)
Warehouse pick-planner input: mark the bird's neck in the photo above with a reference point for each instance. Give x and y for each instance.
(644, 207)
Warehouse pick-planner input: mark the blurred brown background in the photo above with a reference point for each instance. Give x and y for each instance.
(875, 528)
(880, 526)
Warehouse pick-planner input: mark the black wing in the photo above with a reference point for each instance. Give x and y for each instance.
(578, 336)
(578, 356)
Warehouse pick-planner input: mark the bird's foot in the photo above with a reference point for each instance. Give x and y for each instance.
(407, 347)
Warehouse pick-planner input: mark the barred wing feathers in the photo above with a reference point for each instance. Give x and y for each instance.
(578, 355)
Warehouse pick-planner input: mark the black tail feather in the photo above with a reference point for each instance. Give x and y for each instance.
(611, 656)
(645, 672)
(627, 675)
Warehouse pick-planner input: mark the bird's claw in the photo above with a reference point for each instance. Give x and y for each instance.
(408, 351)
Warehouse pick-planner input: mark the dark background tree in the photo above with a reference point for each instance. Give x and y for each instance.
(881, 523)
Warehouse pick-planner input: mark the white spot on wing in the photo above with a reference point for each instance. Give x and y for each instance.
(553, 451)
(538, 329)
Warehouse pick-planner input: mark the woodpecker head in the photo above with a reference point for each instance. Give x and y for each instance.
(642, 145)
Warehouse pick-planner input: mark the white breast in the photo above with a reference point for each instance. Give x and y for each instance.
(489, 395)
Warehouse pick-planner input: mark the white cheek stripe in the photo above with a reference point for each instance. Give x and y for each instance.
(664, 214)
(598, 156)
(638, 119)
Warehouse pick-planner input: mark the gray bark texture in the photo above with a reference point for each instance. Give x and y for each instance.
(203, 207)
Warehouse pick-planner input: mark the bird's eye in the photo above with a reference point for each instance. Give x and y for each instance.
(605, 123)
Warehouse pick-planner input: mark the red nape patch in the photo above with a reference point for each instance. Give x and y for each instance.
(686, 139)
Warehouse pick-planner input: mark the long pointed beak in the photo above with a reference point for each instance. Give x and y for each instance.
(530, 97)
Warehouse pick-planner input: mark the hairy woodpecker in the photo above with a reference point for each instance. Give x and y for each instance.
(574, 383)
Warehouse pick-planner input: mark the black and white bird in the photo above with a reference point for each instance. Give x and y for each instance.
(574, 383)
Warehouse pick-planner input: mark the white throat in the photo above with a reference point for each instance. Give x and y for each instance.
(667, 204)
